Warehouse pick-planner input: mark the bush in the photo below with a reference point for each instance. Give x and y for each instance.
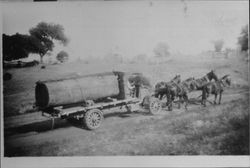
(218, 45)
(7, 76)
(243, 39)
(161, 50)
(43, 67)
(62, 56)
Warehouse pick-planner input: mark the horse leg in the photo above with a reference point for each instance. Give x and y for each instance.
(204, 97)
(168, 100)
(207, 93)
(220, 96)
(179, 103)
(186, 101)
(170, 105)
(160, 96)
(215, 97)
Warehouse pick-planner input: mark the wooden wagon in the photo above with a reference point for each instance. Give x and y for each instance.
(86, 97)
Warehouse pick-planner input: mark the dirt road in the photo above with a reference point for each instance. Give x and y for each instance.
(216, 129)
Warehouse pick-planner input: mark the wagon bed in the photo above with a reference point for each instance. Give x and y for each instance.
(79, 109)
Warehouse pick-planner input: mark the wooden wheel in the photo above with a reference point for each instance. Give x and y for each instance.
(154, 105)
(93, 119)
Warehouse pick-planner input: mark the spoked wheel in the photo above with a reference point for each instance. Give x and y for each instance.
(154, 105)
(93, 119)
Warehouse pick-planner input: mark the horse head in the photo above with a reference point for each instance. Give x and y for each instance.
(159, 85)
(211, 75)
(189, 79)
(176, 79)
(226, 80)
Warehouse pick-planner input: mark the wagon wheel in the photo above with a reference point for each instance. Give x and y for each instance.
(93, 119)
(154, 105)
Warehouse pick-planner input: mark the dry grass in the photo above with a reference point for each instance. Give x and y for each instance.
(215, 130)
(19, 92)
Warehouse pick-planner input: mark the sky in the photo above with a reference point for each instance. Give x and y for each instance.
(130, 28)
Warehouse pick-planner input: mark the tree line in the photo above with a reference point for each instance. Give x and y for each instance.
(40, 40)
(42, 37)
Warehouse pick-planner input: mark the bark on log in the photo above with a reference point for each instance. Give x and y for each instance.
(79, 89)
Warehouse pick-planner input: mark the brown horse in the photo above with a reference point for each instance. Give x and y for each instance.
(201, 82)
(216, 88)
(161, 88)
(181, 91)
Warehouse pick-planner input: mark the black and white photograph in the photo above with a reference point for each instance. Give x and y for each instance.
(125, 78)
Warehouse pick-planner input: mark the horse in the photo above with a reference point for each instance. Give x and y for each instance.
(180, 90)
(216, 88)
(201, 82)
(161, 88)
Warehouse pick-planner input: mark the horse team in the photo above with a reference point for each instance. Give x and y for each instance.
(180, 89)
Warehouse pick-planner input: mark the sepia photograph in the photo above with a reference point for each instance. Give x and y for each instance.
(125, 78)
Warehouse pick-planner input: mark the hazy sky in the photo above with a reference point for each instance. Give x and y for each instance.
(133, 27)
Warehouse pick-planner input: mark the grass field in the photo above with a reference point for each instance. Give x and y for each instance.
(214, 130)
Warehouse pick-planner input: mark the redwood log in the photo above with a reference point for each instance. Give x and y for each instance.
(78, 89)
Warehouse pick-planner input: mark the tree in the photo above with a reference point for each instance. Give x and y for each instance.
(7, 43)
(140, 58)
(227, 52)
(16, 46)
(218, 45)
(243, 39)
(40, 41)
(62, 56)
(162, 50)
(44, 35)
(114, 57)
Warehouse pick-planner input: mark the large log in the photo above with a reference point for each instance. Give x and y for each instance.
(79, 89)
